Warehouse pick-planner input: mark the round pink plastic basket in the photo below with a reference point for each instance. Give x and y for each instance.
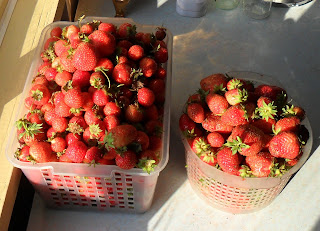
(235, 194)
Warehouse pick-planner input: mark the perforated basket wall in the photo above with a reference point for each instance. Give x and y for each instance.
(117, 192)
(225, 197)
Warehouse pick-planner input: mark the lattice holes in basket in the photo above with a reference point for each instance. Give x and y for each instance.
(228, 198)
(92, 192)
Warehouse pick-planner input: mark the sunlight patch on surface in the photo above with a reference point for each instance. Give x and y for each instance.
(161, 2)
(296, 15)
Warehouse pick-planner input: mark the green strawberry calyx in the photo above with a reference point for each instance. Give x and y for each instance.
(201, 146)
(30, 129)
(147, 165)
(94, 130)
(236, 145)
(267, 111)
(108, 141)
(235, 83)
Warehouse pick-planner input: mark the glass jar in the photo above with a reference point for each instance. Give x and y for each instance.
(257, 9)
(227, 4)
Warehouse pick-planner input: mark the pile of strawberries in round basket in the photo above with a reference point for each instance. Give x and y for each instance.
(98, 97)
(242, 128)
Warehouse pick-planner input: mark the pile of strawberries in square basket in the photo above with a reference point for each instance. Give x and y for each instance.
(242, 128)
(98, 97)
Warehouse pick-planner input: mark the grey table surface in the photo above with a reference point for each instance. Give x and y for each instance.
(286, 46)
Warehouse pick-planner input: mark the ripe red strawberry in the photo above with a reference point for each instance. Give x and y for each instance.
(235, 83)
(161, 73)
(93, 155)
(217, 103)
(209, 157)
(110, 155)
(161, 33)
(69, 30)
(214, 123)
(66, 63)
(264, 125)
(235, 115)
(236, 96)
(155, 143)
(161, 55)
(72, 137)
(86, 29)
(211, 82)
(81, 78)
(77, 124)
(185, 123)
(287, 124)
(143, 139)
(60, 124)
(246, 139)
(62, 110)
(40, 80)
(126, 160)
(229, 162)
(146, 97)
(50, 73)
(74, 40)
(133, 113)
(121, 135)
(107, 27)
(49, 42)
(58, 144)
(57, 97)
(215, 139)
(148, 66)
(285, 145)
(136, 52)
(23, 154)
(151, 113)
(104, 43)
(50, 115)
(73, 98)
(100, 97)
(111, 121)
(76, 151)
(35, 116)
(105, 64)
(122, 74)
(97, 80)
(125, 43)
(41, 152)
(63, 158)
(88, 102)
(268, 91)
(260, 164)
(61, 46)
(91, 117)
(157, 85)
(62, 78)
(196, 112)
(263, 100)
(46, 107)
(56, 32)
(43, 67)
(126, 30)
(40, 94)
(111, 108)
(84, 57)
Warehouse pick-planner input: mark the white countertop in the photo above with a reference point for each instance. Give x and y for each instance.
(285, 45)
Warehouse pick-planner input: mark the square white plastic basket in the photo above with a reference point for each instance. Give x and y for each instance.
(235, 194)
(99, 187)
